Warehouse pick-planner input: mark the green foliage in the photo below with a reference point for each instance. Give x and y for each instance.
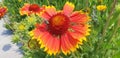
(104, 39)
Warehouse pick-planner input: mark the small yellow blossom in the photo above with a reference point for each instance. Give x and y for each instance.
(21, 27)
(31, 19)
(101, 7)
(19, 0)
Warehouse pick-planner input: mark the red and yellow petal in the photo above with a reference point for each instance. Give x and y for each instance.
(74, 42)
(45, 15)
(48, 12)
(68, 8)
(55, 46)
(87, 29)
(46, 40)
(82, 29)
(51, 10)
(36, 9)
(78, 37)
(38, 31)
(28, 9)
(43, 39)
(40, 10)
(80, 32)
(3, 10)
(65, 49)
(68, 44)
(51, 44)
(25, 9)
(79, 17)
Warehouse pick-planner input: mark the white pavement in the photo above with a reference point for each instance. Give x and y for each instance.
(7, 48)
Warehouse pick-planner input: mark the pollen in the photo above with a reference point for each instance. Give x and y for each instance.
(58, 20)
(58, 24)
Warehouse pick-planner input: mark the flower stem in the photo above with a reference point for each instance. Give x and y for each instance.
(108, 18)
(115, 30)
(106, 25)
(48, 2)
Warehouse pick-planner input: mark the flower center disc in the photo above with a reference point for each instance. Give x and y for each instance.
(58, 24)
(34, 8)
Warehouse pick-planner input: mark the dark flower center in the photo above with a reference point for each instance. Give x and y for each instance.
(34, 8)
(58, 24)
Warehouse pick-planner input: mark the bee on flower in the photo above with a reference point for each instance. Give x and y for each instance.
(101, 7)
(28, 9)
(64, 31)
(3, 11)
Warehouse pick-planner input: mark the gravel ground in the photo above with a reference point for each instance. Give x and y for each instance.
(7, 48)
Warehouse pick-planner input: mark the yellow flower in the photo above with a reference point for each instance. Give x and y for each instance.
(31, 19)
(21, 27)
(101, 7)
(19, 0)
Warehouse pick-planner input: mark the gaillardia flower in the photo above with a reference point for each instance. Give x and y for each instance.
(101, 7)
(3, 10)
(62, 30)
(28, 9)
